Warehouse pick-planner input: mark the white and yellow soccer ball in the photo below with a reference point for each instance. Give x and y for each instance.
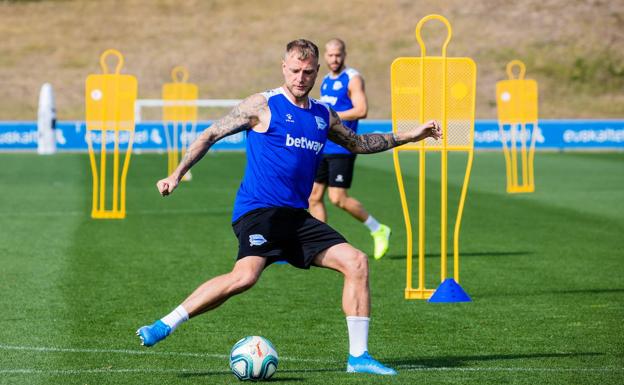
(253, 358)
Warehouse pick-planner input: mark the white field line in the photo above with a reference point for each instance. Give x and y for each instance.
(96, 371)
(44, 349)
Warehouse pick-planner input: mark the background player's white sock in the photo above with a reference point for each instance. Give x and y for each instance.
(177, 317)
(358, 335)
(372, 224)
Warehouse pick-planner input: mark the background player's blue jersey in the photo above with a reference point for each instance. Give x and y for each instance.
(282, 162)
(335, 92)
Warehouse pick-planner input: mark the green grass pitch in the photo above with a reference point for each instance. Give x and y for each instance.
(545, 272)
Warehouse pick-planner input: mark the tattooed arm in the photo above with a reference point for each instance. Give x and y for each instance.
(371, 143)
(250, 113)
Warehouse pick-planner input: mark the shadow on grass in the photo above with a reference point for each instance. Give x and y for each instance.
(205, 373)
(433, 362)
(473, 254)
(459, 361)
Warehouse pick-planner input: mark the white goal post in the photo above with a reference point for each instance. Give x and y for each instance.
(141, 103)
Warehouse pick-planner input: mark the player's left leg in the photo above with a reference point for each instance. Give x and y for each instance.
(353, 264)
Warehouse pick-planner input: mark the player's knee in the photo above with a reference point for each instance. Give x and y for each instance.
(244, 281)
(338, 200)
(313, 200)
(358, 264)
(316, 196)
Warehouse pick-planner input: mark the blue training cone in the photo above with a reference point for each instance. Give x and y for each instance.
(449, 291)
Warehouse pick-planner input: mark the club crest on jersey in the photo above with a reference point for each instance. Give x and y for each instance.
(337, 86)
(320, 123)
(289, 118)
(329, 99)
(256, 240)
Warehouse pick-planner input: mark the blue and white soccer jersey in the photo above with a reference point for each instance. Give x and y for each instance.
(269, 217)
(282, 162)
(336, 168)
(335, 92)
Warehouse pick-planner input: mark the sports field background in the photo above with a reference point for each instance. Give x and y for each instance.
(544, 271)
(232, 48)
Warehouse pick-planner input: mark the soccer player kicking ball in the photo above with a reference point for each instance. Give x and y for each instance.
(286, 132)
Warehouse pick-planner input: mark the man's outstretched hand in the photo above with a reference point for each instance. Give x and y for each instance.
(430, 129)
(167, 185)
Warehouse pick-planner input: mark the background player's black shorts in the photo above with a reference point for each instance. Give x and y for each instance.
(336, 170)
(281, 233)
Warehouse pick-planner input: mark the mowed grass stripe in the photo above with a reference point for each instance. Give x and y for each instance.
(33, 251)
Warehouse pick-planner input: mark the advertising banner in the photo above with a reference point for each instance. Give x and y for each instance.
(150, 136)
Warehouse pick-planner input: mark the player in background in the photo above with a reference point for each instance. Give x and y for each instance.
(343, 89)
(286, 132)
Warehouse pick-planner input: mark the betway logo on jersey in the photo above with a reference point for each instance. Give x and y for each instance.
(304, 143)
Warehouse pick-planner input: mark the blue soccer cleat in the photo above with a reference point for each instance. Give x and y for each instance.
(367, 364)
(152, 334)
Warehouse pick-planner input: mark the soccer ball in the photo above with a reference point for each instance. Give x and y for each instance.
(253, 358)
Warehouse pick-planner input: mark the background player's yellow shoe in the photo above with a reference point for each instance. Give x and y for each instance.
(382, 241)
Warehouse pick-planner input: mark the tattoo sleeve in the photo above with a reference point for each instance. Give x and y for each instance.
(241, 118)
(360, 144)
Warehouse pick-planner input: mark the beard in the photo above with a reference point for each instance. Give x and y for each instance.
(335, 67)
(299, 92)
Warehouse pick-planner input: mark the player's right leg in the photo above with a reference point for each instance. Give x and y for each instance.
(208, 296)
(353, 264)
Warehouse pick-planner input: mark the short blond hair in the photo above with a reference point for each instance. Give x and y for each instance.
(304, 49)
